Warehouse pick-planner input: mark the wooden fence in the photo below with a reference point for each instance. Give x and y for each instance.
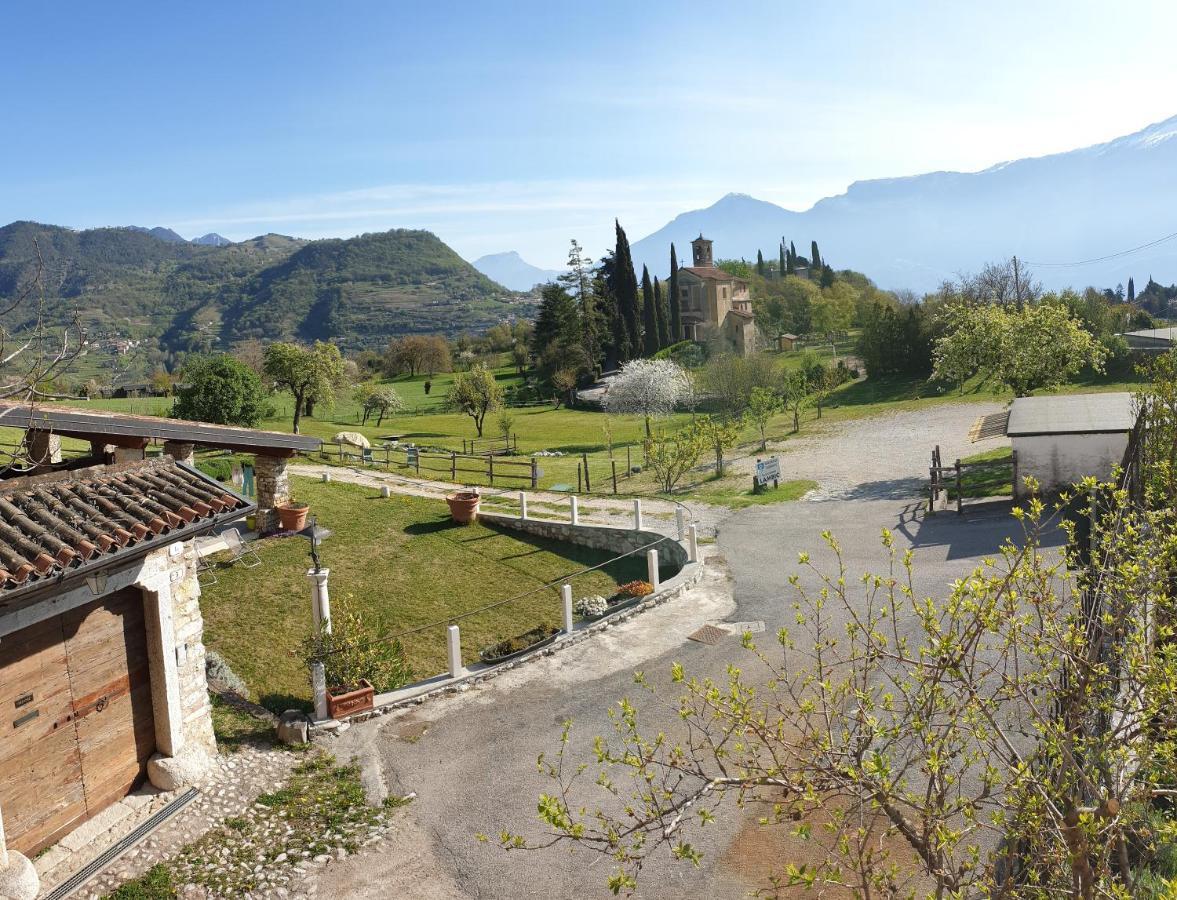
(949, 480)
(453, 464)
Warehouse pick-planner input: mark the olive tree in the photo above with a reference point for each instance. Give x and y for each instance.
(649, 388)
(311, 374)
(1005, 737)
(671, 456)
(476, 393)
(763, 404)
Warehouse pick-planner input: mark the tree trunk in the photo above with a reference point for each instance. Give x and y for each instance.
(648, 435)
(297, 411)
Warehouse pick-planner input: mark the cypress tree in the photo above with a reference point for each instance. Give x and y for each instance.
(791, 260)
(1131, 291)
(662, 314)
(827, 276)
(782, 266)
(793, 253)
(759, 263)
(815, 257)
(625, 289)
(675, 307)
(649, 316)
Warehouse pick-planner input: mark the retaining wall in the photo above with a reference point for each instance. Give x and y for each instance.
(671, 554)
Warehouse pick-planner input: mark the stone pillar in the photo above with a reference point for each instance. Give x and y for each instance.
(320, 600)
(180, 451)
(273, 490)
(18, 878)
(44, 447)
(131, 454)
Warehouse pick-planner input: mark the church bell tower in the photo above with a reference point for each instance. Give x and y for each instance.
(701, 252)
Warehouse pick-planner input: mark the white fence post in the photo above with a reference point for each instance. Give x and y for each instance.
(652, 567)
(319, 687)
(575, 506)
(320, 600)
(454, 647)
(680, 520)
(693, 542)
(326, 477)
(566, 596)
(385, 491)
(523, 505)
(637, 514)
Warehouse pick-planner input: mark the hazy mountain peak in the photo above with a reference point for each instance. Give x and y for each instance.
(160, 233)
(512, 271)
(913, 231)
(212, 239)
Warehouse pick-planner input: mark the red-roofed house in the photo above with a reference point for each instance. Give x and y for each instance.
(715, 305)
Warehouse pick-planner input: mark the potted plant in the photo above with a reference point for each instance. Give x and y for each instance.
(463, 506)
(293, 515)
(357, 663)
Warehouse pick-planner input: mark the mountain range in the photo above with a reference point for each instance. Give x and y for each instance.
(914, 232)
(212, 239)
(510, 270)
(193, 296)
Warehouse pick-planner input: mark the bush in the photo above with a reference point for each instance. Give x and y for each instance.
(519, 643)
(635, 589)
(220, 676)
(220, 468)
(591, 607)
(353, 651)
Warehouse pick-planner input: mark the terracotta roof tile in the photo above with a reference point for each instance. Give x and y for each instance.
(54, 523)
(711, 273)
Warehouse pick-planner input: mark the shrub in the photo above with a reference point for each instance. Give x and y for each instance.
(220, 676)
(219, 468)
(637, 588)
(591, 607)
(352, 651)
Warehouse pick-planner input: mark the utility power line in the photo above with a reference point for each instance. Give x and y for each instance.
(1087, 262)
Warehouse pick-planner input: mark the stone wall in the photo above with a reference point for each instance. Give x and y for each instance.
(273, 490)
(188, 623)
(672, 555)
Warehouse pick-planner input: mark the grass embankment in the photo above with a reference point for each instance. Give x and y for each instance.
(402, 564)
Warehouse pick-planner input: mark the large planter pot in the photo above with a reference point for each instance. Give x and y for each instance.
(349, 703)
(463, 507)
(293, 518)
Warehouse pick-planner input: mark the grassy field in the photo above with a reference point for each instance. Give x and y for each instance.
(993, 480)
(574, 432)
(402, 564)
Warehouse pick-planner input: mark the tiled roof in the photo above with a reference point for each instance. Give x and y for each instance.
(710, 273)
(53, 524)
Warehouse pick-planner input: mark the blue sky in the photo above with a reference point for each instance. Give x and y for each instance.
(518, 125)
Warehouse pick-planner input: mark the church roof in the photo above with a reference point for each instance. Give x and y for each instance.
(710, 273)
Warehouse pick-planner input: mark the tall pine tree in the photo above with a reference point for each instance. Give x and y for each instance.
(760, 264)
(815, 257)
(578, 281)
(662, 314)
(675, 303)
(625, 289)
(649, 316)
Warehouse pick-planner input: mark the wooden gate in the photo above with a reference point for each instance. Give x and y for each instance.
(78, 729)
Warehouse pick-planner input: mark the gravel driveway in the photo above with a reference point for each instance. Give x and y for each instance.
(883, 457)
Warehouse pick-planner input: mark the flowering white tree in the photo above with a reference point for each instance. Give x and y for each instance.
(648, 387)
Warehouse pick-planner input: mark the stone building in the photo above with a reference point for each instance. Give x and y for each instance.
(715, 305)
(102, 662)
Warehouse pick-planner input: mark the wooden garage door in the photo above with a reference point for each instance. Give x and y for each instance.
(75, 694)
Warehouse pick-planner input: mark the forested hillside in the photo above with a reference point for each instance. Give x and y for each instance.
(187, 296)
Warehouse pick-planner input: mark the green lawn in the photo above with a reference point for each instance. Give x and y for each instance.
(403, 564)
(993, 480)
(735, 492)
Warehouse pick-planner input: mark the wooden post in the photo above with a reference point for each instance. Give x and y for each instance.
(578, 477)
(932, 491)
(516, 442)
(588, 484)
(453, 466)
(959, 499)
(534, 474)
(628, 462)
(613, 464)
(490, 468)
(417, 460)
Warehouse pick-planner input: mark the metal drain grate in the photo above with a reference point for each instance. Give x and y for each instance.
(708, 634)
(105, 858)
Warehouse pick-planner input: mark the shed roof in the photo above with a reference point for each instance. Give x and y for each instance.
(117, 428)
(61, 524)
(1108, 413)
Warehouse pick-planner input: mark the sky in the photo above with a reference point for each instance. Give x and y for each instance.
(518, 125)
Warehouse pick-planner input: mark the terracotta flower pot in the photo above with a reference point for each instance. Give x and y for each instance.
(351, 702)
(293, 518)
(464, 506)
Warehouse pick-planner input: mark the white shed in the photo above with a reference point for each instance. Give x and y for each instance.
(1060, 440)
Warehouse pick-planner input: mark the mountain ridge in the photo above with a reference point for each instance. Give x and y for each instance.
(917, 230)
(511, 270)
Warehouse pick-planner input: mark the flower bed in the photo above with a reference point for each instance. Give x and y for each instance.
(539, 636)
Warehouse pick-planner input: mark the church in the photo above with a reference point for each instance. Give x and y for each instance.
(715, 305)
